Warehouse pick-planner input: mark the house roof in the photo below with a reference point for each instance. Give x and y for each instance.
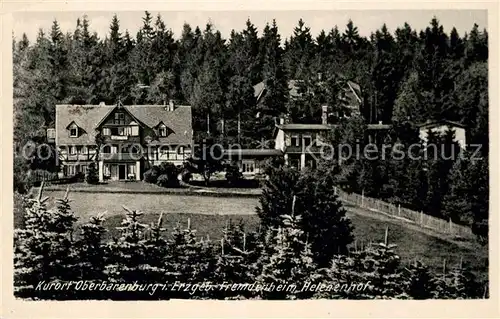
(325, 127)
(352, 91)
(438, 123)
(258, 89)
(88, 116)
(294, 126)
(378, 126)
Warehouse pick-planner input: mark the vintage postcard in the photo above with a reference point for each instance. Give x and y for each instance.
(313, 157)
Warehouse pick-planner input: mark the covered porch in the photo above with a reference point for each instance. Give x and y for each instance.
(119, 171)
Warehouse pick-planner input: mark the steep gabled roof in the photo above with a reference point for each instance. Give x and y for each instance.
(136, 120)
(88, 116)
(353, 91)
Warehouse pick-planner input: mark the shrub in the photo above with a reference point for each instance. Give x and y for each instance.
(92, 176)
(186, 176)
(151, 175)
(171, 171)
(163, 180)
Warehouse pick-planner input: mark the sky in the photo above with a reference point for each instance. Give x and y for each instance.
(367, 21)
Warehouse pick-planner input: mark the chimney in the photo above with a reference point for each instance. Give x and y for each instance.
(324, 114)
(282, 120)
(171, 105)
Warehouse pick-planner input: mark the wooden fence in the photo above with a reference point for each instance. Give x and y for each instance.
(38, 176)
(405, 214)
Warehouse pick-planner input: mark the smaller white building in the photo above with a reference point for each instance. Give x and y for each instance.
(441, 127)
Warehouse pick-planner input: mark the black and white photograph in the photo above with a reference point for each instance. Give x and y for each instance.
(250, 155)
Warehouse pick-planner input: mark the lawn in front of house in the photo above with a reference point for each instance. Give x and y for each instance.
(216, 186)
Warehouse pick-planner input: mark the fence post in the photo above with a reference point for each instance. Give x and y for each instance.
(451, 226)
(421, 217)
(399, 209)
(362, 197)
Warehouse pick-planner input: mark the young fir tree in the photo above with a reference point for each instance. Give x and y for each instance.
(156, 256)
(381, 266)
(289, 262)
(44, 248)
(91, 249)
(92, 255)
(127, 253)
(421, 281)
(236, 263)
(190, 261)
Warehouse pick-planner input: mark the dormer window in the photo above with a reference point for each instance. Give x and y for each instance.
(73, 130)
(162, 130)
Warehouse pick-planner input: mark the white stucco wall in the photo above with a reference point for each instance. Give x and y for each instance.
(280, 141)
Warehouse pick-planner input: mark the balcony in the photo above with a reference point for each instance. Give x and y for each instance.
(118, 157)
(119, 137)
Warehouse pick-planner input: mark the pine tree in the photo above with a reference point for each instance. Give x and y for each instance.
(323, 217)
(237, 262)
(421, 281)
(92, 250)
(127, 256)
(381, 266)
(299, 52)
(431, 65)
(191, 261)
(275, 80)
(385, 75)
(290, 261)
(156, 254)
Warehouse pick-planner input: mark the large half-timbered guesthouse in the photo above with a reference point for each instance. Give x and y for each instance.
(132, 138)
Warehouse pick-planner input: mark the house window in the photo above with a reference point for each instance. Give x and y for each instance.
(295, 140)
(114, 149)
(51, 133)
(134, 131)
(119, 118)
(72, 150)
(163, 150)
(106, 131)
(131, 169)
(107, 171)
(73, 132)
(83, 169)
(71, 170)
(84, 150)
(180, 150)
(248, 167)
(106, 149)
(162, 131)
